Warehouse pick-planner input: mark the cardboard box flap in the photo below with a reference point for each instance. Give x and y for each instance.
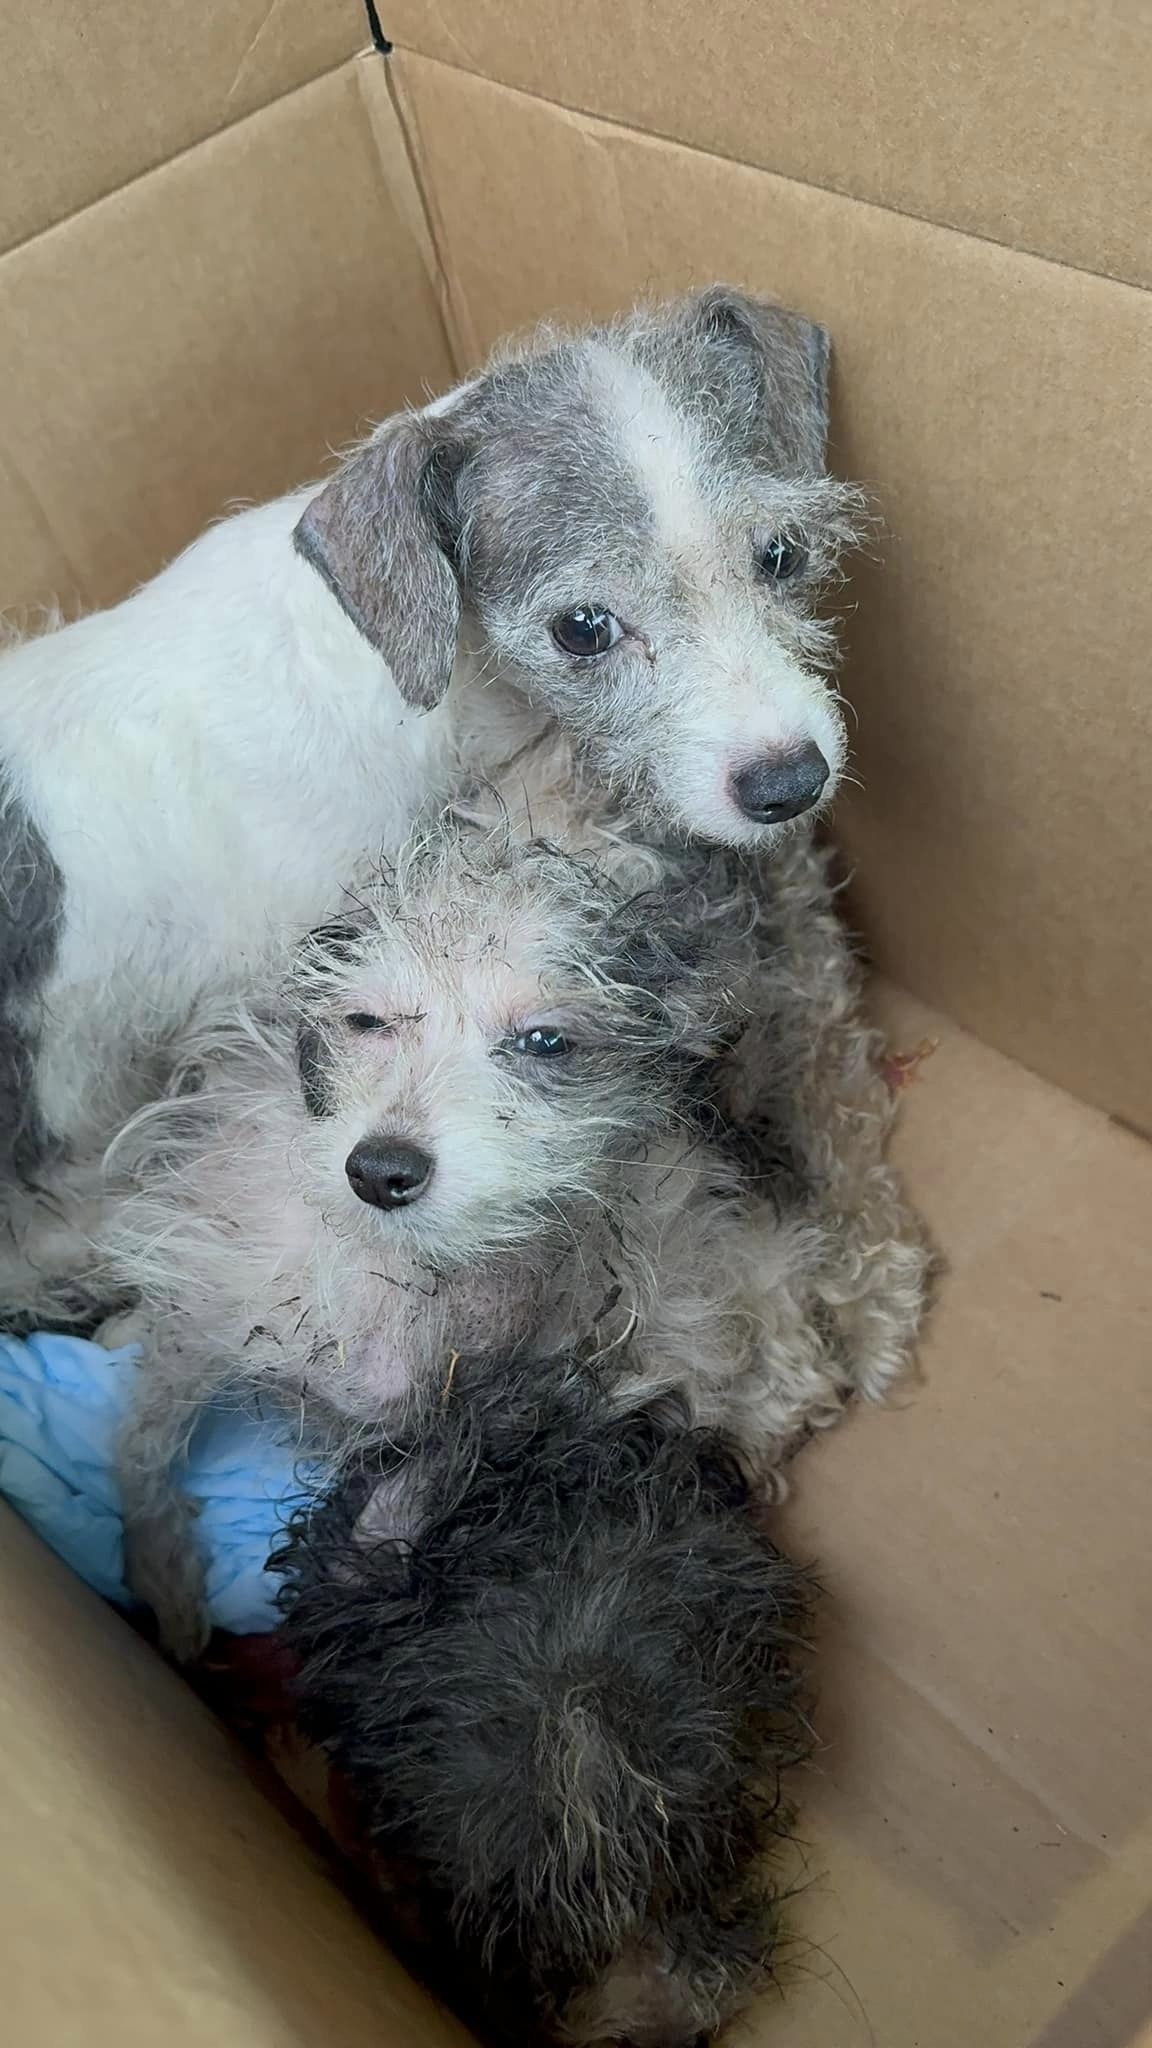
(209, 334)
(978, 1825)
(1000, 655)
(1032, 126)
(90, 97)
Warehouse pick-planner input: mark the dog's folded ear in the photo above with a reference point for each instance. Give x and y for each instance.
(312, 1067)
(648, 947)
(789, 357)
(327, 948)
(654, 947)
(380, 534)
(338, 939)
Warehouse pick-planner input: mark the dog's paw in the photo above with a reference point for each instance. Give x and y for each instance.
(130, 1326)
(164, 1570)
(184, 1631)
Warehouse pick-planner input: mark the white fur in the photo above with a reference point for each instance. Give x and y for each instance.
(213, 763)
(209, 762)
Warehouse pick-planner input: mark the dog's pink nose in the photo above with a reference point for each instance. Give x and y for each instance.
(781, 786)
(386, 1173)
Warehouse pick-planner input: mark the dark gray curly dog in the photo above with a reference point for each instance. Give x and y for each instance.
(555, 1658)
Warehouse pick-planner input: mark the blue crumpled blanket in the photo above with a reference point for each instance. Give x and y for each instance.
(61, 1400)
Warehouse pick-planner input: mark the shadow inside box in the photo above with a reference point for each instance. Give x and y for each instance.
(247, 1682)
(917, 1796)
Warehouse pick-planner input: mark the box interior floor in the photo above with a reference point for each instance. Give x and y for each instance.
(231, 235)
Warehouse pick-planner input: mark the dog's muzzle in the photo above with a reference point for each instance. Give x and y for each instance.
(781, 786)
(386, 1173)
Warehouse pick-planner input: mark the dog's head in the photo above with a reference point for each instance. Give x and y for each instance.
(632, 523)
(494, 1025)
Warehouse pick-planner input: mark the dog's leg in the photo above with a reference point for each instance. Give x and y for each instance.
(717, 1310)
(162, 1560)
(806, 1081)
(50, 1273)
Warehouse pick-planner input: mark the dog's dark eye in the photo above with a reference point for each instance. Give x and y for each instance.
(782, 558)
(362, 1021)
(542, 1043)
(587, 631)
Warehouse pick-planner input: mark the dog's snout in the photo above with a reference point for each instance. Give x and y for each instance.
(388, 1173)
(781, 786)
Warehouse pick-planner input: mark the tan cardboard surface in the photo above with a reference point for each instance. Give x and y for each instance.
(979, 1822)
(91, 96)
(207, 334)
(149, 1892)
(1030, 124)
(1000, 408)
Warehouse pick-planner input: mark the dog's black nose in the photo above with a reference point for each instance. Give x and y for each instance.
(386, 1173)
(781, 786)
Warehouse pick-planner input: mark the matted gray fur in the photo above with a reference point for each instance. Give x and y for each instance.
(696, 1182)
(556, 1660)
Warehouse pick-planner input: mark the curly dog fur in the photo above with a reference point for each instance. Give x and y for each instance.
(700, 1179)
(556, 1661)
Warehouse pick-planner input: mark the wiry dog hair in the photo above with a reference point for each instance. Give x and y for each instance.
(526, 1017)
(495, 1003)
(505, 1014)
(803, 1109)
(692, 1178)
(796, 1104)
(555, 1660)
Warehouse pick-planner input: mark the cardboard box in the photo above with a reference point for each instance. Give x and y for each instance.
(228, 240)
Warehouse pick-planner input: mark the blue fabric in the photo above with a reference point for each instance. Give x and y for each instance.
(61, 1401)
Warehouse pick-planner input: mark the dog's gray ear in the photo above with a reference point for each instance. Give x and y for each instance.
(380, 535)
(338, 939)
(649, 946)
(313, 1071)
(789, 356)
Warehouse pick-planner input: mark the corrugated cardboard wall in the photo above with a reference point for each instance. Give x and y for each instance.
(93, 97)
(1029, 125)
(219, 265)
(215, 271)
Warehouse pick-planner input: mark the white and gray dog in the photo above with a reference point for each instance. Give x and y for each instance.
(509, 1103)
(619, 531)
(553, 1657)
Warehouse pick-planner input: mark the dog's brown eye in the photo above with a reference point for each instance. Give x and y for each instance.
(587, 631)
(782, 558)
(362, 1021)
(542, 1043)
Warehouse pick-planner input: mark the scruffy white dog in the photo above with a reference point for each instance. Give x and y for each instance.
(495, 1112)
(621, 531)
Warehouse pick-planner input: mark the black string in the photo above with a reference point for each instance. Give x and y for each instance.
(379, 39)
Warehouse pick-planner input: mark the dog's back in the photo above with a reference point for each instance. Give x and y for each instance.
(237, 736)
(554, 1658)
(201, 768)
